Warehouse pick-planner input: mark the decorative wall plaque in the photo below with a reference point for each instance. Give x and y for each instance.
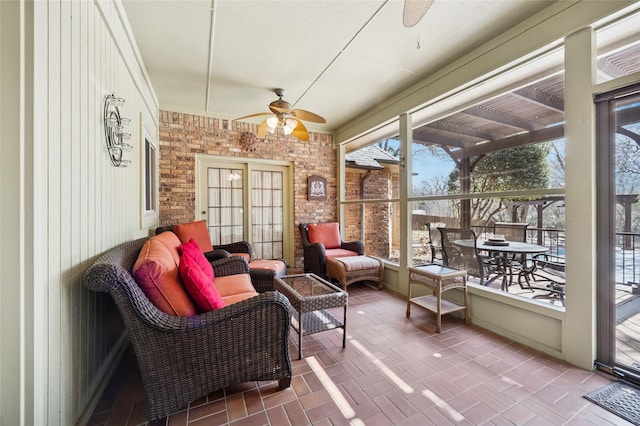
(249, 141)
(317, 188)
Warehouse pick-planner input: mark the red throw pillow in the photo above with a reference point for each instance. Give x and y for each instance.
(193, 250)
(325, 233)
(199, 286)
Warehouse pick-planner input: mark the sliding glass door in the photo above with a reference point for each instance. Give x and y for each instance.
(618, 115)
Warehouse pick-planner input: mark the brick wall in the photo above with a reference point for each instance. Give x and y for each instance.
(379, 184)
(182, 136)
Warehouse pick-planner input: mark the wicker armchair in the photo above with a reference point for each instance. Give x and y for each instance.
(182, 359)
(315, 253)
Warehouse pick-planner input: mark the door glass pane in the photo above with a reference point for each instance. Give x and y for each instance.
(225, 205)
(266, 214)
(627, 228)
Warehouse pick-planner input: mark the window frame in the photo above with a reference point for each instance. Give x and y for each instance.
(148, 178)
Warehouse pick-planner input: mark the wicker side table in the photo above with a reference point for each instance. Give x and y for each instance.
(310, 295)
(439, 279)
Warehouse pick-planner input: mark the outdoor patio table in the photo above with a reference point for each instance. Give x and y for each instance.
(504, 251)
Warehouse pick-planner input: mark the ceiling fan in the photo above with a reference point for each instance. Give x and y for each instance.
(414, 10)
(285, 116)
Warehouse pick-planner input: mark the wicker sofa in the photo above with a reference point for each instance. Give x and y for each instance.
(262, 278)
(184, 358)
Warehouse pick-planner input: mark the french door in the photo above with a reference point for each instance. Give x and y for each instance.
(618, 119)
(247, 201)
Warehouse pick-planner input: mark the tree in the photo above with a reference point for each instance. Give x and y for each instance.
(519, 168)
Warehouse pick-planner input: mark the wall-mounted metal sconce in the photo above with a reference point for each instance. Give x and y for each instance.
(114, 134)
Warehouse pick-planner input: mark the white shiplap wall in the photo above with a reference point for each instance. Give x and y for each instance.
(78, 205)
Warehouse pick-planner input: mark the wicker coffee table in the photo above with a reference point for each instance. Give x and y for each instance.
(310, 295)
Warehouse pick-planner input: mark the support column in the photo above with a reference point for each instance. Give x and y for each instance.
(465, 188)
(579, 340)
(406, 141)
(341, 188)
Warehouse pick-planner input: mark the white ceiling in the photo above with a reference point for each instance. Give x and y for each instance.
(336, 58)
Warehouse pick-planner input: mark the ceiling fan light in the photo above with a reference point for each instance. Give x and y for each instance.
(272, 123)
(289, 126)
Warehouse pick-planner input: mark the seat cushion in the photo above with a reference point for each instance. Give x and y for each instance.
(230, 285)
(196, 230)
(358, 263)
(235, 298)
(340, 253)
(277, 266)
(156, 272)
(199, 285)
(326, 233)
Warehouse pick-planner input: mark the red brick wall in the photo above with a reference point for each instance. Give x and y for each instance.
(377, 185)
(184, 135)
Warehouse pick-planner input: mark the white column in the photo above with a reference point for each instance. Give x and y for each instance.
(579, 341)
(341, 185)
(406, 141)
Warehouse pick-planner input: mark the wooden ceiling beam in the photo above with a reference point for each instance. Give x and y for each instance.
(502, 118)
(541, 98)
(474, 132)
(528, 138)
(440, 139)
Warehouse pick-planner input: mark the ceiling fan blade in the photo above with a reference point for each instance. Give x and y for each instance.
(307, 116)
(277, 110)
(253, 115)
(414, 10)
(300, 132)
(263, 129)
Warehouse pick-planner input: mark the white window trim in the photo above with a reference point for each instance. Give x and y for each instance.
(148, 217)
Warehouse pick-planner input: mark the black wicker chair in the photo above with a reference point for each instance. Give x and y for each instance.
(465, 257)
(182, 359)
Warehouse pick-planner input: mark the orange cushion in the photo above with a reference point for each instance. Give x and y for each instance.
(229, 285)
(325, 233)
(332, 254)
(245, 255)
(172, 243)
(196, 230)
(278, 266)
(156, 272)
(230, 300)
(199, 285)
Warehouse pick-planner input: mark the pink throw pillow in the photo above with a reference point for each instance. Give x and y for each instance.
(195, 252)
(199, 286)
